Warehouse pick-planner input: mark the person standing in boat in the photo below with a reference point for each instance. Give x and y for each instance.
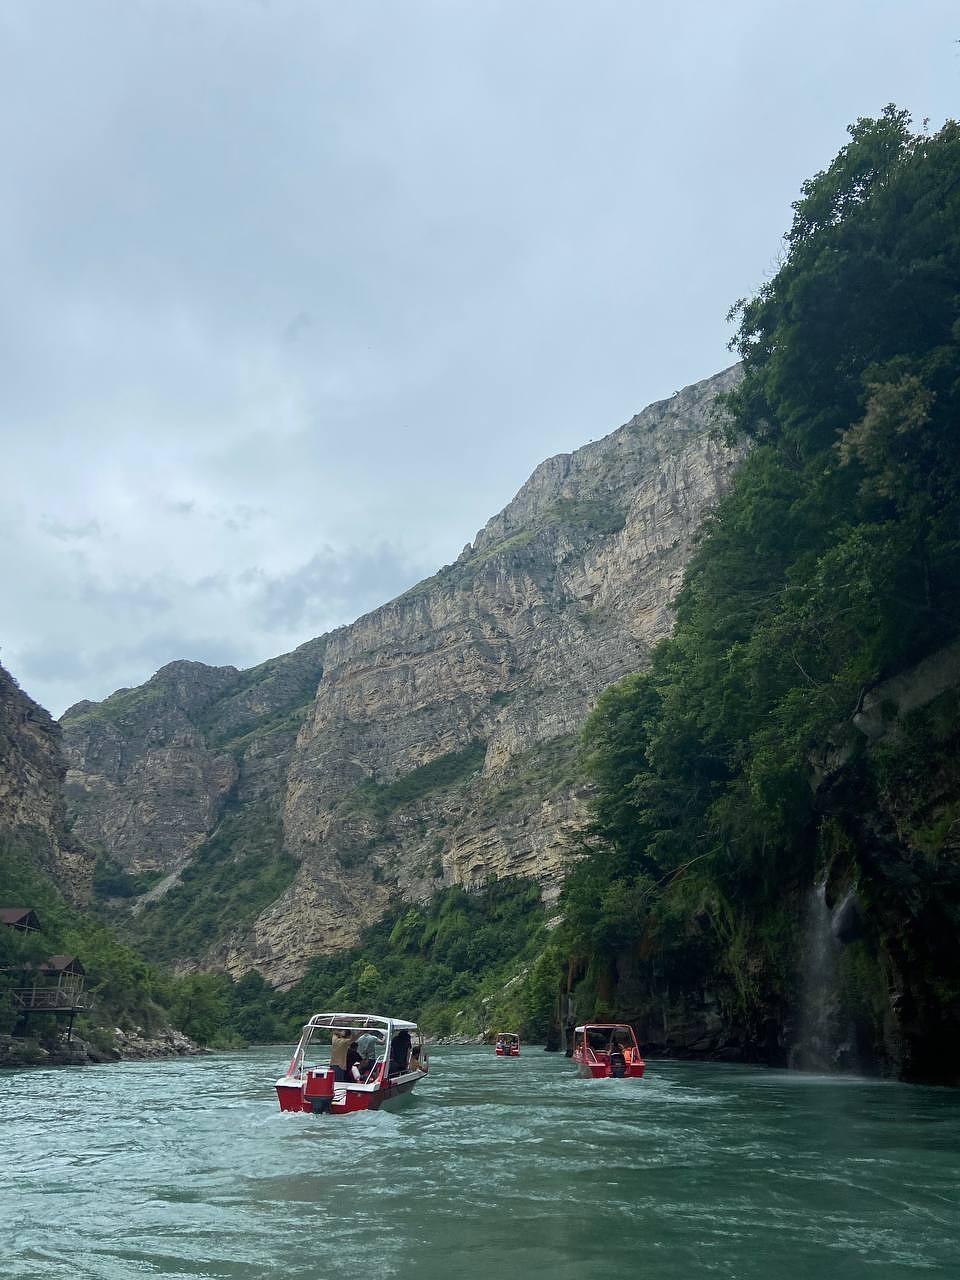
(400, 1053)
(340, 1044)
(368, 1047)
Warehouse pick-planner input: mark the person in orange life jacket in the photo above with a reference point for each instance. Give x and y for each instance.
(620, 1044)
(341, 1043)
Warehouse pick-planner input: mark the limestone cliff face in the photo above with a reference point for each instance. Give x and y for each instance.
(438, 748)
(148, 789)
(436, 735)
(32, 811)
(150, 770)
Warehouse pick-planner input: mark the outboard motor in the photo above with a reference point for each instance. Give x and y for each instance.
(618, 1066)
(318, 1090)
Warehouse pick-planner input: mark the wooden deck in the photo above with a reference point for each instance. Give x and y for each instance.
(49, 1000)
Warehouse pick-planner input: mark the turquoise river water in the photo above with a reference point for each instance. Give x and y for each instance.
(493, 1167)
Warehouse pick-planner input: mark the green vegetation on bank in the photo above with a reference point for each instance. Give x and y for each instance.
(832, 566)
(459, 964)
(123, 988)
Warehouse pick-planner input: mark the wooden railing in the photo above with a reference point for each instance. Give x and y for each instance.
(48, 998)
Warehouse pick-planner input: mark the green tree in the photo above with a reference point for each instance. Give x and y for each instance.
(831, 566)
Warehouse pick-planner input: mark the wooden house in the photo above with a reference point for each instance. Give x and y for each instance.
(55, 987)
(22, 918)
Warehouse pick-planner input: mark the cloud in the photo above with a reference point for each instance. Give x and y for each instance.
(335, 584)
(297, 295)
(296, 326)
(77, 532)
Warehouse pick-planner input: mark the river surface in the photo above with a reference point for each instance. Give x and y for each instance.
(493, 1167)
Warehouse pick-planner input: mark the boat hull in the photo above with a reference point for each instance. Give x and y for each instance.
(603, 1071)
(293, 1094)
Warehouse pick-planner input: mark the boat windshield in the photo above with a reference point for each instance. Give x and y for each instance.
(602, 1039)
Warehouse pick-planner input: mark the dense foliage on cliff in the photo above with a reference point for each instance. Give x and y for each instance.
(459, 964)
(123, 988)
(832, 566)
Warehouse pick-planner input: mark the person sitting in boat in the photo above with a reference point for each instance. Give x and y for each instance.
(369, 1046)
(341, 1042)
(618, 1055)
(354, 1064)
(399, 1053)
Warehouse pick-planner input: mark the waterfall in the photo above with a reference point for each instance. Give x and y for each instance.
(817, 1043)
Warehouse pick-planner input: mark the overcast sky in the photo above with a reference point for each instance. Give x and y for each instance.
(294, 296)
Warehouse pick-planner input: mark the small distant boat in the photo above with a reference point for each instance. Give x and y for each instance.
(507, 1045)
(607, 1049)
(386, 1060)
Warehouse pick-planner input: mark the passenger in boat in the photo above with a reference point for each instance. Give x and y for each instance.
(399, 1053)
(353, 1063)
(618, 1054)
(341, 1043)
(369, 1046)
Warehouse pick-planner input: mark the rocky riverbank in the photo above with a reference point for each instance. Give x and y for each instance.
(19, 1051)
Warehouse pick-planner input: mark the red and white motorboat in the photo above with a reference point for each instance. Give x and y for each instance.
(605, 1049)
(507, 1044)
(387, 1059)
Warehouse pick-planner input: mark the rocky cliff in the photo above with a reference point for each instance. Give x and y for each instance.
(430, 742)
(32, 811)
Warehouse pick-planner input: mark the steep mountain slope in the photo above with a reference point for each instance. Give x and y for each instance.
(152, 769)
(32, 811)
(435, 733)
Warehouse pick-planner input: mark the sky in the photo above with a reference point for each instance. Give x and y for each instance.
(295, 295)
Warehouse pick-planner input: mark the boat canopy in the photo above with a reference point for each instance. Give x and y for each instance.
(604, 1026)
(360, 1022)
